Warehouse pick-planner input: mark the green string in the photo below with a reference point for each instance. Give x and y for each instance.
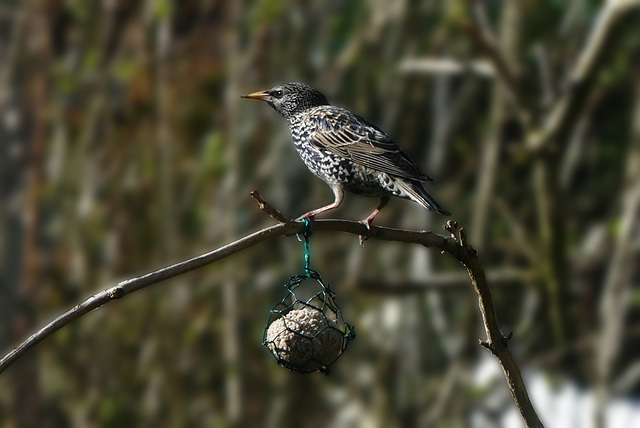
(307, 251)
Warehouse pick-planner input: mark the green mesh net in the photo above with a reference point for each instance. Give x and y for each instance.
(306, 331)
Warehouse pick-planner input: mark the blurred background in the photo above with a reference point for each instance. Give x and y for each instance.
(125, 147)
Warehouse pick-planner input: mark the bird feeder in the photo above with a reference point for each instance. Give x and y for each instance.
(306, 331)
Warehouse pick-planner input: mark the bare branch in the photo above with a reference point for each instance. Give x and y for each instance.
(559, 122)
(496, 342)
(615, 301)
(264, 206)
(447, 66)
(503, 278)
(480, 31)
(500, 112)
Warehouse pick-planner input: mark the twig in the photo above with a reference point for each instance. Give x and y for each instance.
(559, 122)
(615, 301)
(447, 66)
(518, 232)
(545, 75)
(502, 278)
(496, 342)
(264, 206)
(480, 31)
(484, 36)
(582, 345)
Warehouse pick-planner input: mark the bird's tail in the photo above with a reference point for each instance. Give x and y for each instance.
(415, 191)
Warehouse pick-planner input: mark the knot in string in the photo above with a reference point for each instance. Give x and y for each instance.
(307, 251)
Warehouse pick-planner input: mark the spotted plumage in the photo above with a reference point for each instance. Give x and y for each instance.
(346, 151)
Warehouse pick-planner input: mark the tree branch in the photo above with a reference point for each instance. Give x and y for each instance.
(448, 66)
(503, 278)
(455, 245)
(562, 117)
(482, 34)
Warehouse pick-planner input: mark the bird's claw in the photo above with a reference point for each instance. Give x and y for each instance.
(306, 216)
(310, 218)
(362, 238)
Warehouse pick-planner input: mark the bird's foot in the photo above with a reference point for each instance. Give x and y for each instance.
(361, 238)
(308, 216)
(367, 221)
(458, 234)
(308, 219)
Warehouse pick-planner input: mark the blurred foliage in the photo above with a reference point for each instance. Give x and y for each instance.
(125, 147)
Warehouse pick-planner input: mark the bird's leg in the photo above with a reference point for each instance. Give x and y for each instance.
(367, 221)
(339, 197)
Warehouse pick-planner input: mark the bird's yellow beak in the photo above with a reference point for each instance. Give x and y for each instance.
(260, 95)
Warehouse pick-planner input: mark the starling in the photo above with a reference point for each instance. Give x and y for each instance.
(346, 151)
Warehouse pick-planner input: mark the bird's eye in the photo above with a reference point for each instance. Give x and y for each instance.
(278, 94)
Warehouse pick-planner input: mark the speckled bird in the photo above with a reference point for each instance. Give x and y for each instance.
(346, 151)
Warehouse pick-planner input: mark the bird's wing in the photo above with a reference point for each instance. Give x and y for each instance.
(346, 134)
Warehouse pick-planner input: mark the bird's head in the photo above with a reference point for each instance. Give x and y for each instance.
(289, 99)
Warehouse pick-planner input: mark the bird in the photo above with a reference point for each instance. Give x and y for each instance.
(346, 151)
